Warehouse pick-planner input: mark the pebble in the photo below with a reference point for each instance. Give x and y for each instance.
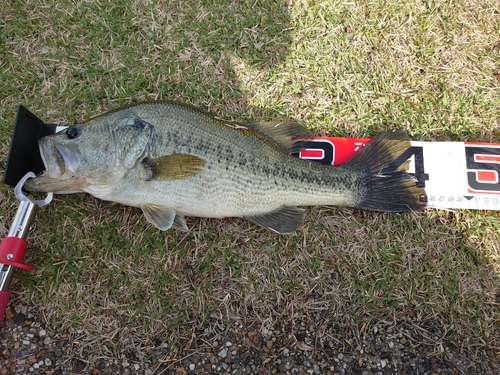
(9, 313)
(223, 353)
(254, 337)
(78, 366)
(22, 353)
(384, 355)
(164, 348)
(38, 350)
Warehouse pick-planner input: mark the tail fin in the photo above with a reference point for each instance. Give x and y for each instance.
(389, 187)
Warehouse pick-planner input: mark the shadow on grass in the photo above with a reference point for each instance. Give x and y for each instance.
(88, 57)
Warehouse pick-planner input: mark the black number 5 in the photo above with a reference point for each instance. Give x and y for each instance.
(484, 162)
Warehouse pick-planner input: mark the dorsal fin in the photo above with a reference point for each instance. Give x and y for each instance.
(286, 133)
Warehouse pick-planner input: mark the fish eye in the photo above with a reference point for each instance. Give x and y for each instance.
(73, 132)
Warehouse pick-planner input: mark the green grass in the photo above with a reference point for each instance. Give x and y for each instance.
(350, 69)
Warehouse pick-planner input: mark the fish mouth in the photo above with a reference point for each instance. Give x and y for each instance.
(60, 166)
(53, 161)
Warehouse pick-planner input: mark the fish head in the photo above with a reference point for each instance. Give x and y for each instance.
(96, 154)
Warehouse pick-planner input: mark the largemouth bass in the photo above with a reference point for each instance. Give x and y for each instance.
(174, 160)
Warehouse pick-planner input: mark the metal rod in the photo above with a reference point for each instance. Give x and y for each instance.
(20, 228)
(5, 276)
(23, 220)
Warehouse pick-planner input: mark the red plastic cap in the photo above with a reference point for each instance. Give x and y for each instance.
(12, 250)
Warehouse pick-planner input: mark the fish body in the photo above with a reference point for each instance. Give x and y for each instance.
(174, 160)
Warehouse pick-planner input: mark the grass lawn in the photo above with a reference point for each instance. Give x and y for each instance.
(342, 68)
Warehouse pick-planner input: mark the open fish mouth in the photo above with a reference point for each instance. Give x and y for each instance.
(59, 174)
(52, 158)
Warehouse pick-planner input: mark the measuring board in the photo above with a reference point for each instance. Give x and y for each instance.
(455, 175)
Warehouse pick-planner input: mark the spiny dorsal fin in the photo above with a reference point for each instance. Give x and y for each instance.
(173, 167)
(285, 133)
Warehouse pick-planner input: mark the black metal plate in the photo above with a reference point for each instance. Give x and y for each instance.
(24, 155)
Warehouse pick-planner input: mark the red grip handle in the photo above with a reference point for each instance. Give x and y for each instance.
(12, 250)
(4, 301)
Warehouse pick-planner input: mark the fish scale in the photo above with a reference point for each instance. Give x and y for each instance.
(174, 160)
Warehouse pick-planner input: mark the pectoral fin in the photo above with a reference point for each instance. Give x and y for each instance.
(173, 167)
(161, 217)
(284, 220)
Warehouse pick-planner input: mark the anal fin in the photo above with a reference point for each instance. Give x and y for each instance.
(180, 223)
(285, 220)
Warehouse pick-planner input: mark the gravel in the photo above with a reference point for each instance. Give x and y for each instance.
(30, 347)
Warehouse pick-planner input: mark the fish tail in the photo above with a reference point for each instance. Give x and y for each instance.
(386, 184)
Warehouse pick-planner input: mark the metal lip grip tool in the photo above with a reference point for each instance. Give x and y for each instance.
(23, 162)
